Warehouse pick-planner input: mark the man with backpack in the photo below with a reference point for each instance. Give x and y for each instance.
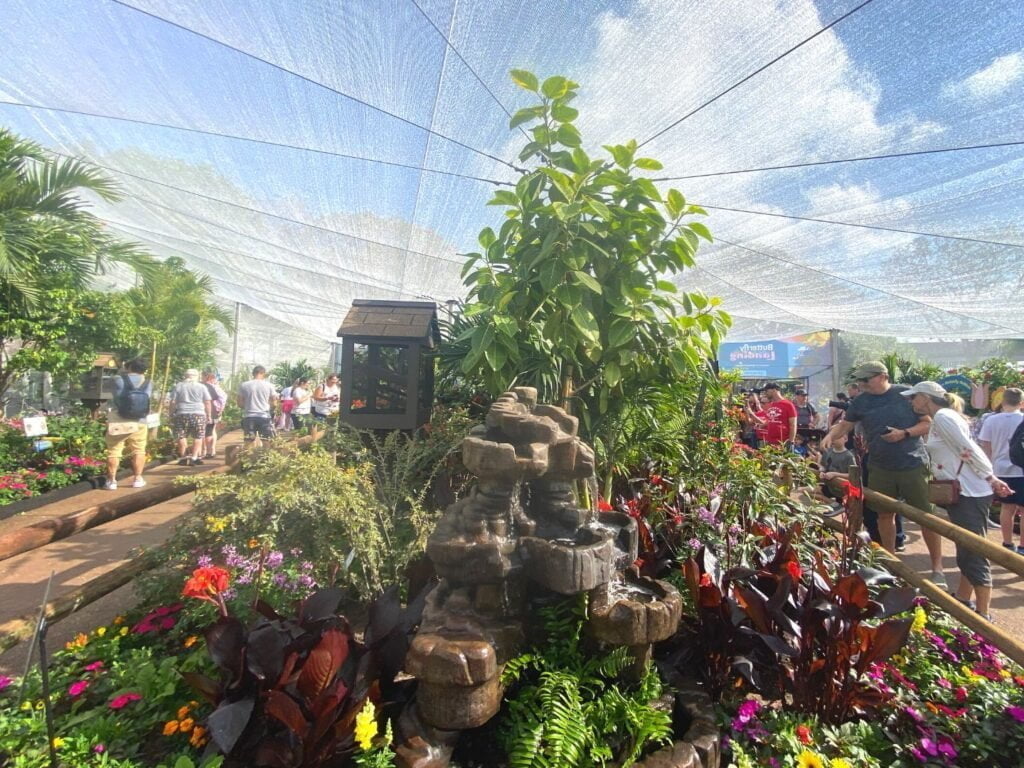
(218, 399)
(1002, 440)
(126, 422)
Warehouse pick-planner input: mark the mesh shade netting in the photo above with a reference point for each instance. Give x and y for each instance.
(305, 154)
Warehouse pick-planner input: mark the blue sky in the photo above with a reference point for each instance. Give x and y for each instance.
(897, 75)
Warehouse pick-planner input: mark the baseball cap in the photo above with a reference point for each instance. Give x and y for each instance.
(800, 392)
(869, 369)
(770, 385)
(925, 388)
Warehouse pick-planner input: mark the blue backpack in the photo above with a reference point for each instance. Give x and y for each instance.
(132, 402)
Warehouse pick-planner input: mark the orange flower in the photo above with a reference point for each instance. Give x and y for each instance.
(119, 620)
(186, 725)
(205, 582)
(170, 727)
(253, 543)
(198, 737)
(190, 641)
(183, 712)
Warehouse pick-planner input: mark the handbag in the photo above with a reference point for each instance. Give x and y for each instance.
(943, 493)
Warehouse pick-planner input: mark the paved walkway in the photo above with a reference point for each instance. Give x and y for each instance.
(86, 555)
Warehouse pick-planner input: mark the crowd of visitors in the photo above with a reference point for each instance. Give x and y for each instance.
(902, 438)
(195, 406)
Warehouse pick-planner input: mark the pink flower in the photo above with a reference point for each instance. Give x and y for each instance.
(99, 749)
(96, 666)
(119, 702)
(78, 687)
(1017, 713)
(5, 681)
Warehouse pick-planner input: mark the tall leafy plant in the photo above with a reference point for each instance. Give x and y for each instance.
(571, 292)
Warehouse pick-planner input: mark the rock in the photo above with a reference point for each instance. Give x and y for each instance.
(568, 568)
(678, 755)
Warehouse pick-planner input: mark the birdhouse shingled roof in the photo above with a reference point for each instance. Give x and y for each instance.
(372, 319)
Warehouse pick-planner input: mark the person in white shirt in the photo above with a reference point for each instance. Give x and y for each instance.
(327, 398)
(302, 399)
(952, 455)
(994, 439)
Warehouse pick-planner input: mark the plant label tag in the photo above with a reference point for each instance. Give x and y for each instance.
(34, 426)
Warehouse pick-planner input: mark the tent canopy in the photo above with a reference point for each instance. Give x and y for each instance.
(304, 154)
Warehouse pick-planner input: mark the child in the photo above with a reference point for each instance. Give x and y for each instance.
(836, 465)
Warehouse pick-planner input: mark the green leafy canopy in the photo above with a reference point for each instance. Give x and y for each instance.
(571, 292)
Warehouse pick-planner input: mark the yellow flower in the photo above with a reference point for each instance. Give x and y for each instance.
(170, 727)
(838, 762)
(81, 640)
(119, 621)
(101, 631)
(58, 742)
(920, 620)
(40, 705)
(123, 631)
(1005, 674)
(808, 759)
(186, 725)
(26, 706)
(216, 524)
(190, 641)
(366, 726)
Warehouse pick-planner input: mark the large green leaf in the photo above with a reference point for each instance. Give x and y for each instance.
(525, 115)
(563, 113)
(587, 281)
(555, 87)
(524, 79)
(675, 202)
(701, 230)
(584, 320)
(569, 135)
(504, 197)
(648, 164)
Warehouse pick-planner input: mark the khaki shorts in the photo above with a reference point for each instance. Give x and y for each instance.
(133, 442)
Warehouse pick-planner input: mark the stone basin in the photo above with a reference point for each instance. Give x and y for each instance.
(635, 611)
(622, 528)
(569, 566)
(459, 685)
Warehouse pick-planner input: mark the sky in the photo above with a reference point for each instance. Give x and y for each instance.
(298, 233)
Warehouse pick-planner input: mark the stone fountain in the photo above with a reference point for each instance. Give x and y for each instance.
(519, 534)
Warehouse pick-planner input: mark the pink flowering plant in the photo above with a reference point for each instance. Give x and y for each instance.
(112, 690)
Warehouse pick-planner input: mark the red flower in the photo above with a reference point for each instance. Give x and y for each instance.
(120, 702)
(206, 582)
(656, 480)
(604, 506)
(803, 733)
(705, 579)
(793, 569)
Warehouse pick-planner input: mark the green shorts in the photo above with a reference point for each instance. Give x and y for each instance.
(909, 485)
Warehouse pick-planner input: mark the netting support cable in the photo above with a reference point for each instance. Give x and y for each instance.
(701, 268)
(753, 74)
(259, 211)
(251, 140)
(961, 238)
(317, 83)
(813, 163)
(876, 289)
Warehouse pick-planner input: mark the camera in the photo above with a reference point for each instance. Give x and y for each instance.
(842, 405)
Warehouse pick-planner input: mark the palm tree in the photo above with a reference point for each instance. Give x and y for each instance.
(45, 227)
(177, 316)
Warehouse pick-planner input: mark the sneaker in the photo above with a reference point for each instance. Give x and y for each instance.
(110, 486)
(1010, 546)
(183, 462)
(939, 579)
(969, 603)
(139, 483)
(901, 545)
(197, 462)
(1020, 550)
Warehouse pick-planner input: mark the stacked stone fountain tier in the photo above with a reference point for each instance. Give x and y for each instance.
(521, 525)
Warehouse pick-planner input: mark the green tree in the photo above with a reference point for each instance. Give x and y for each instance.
(178, 318)
(45, 227)
(285, 373)
(570, 294)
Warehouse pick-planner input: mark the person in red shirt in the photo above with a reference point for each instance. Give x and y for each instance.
(777, 417)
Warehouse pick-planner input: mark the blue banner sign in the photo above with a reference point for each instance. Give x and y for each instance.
(792, 358)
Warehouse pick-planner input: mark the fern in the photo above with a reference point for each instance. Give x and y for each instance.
(569, 711)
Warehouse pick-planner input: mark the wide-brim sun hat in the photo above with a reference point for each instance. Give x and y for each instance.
(929, 388)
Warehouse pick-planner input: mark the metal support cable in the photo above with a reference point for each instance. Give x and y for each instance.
(814, 163)
(753, 74)
(862, 226)
(866, 286)
(249, 139)
(260, 211)
(745, 292)
(317, 83)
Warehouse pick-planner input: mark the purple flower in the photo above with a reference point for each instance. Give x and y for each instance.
(295, 551)
(205, 561)
(706, 516)
(694, 544)
(914, 715)
(274, 559)
(1017, 713)
(748, 710)
(929, 746)
(735, 529)
(99, 749)
(229, 594)
(243, 578)
(946, 747)
(5, 681)
(305, 580)
(306, 565)
(280, 579)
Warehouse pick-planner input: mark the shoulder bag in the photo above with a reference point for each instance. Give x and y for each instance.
(943, 493)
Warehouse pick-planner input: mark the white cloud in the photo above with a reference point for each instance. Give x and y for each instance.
(990, 81)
